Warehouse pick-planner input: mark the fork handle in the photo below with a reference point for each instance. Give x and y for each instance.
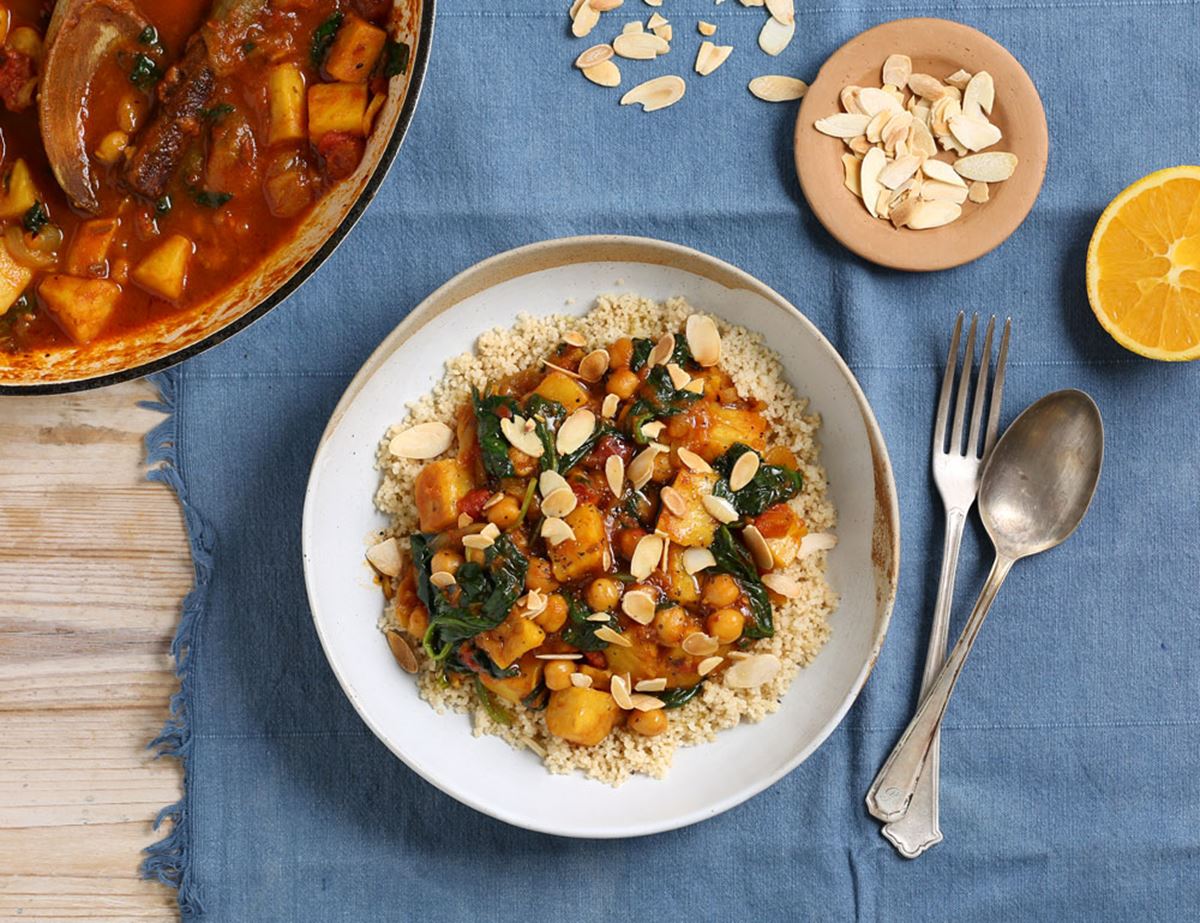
(892, 790)
(918, 829)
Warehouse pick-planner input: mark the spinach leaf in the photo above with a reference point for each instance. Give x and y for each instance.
(665, 400)
(642, 347)
(734, 559)
(493, 447)
(674, 698)
(571, 459)
(547, 417)
(490, 705)
(579, 632)
(395, 58)
(770, 485)
(35, 218)
(538, 699)
(323, 37)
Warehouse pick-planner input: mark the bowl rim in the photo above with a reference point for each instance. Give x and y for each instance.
(420, 62)
(557, 252)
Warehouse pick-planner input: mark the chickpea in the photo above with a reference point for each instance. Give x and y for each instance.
(623, 383)
(539, 576)
(726, 625)
(418, 621)
(523, 464)
(672, 625)
(111, 147)
(649, 723)
(554, 616)
(504, 513)
(130, 111)
(626, 541)
(27, 41)
(603, 593)
(620, 354)
(448, 561)
(558, 674)
(720, 591)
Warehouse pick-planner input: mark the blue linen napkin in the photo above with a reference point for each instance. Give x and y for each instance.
(1068, 780)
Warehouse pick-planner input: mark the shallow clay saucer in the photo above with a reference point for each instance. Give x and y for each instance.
(937, 47)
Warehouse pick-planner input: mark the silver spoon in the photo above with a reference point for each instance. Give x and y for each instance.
(1035, 491)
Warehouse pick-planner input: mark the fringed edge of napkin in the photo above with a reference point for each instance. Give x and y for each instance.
(169, 860)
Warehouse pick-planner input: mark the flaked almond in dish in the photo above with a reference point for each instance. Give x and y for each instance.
(615, 554)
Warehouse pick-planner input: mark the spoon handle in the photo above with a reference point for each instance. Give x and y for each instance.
(893, 788)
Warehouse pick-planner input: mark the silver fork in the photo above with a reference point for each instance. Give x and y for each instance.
(956, 471)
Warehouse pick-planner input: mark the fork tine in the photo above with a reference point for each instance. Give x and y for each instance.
(964, 385)
(993, 426)
(943, 410)
(985, 356)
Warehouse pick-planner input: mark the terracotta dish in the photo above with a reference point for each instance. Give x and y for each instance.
(937, 47)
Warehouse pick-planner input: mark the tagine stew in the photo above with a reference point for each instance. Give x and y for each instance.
(208, 131)
(600, 535)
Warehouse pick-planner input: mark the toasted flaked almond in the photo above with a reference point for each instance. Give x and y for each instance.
(425, 440)
(978, 192)
(604, 74)
(739, 655)
(491, 530)
(860, 146)
(575, 5)
(643, 702)
(597, 54)
(695, 386)
(679, 378)
(653, 429)
(604, 6)
(706, 28)
(533, 603)
(656, 20)
(896, 129)
(849, 100)
(920, 141)
(574, 337)
(709, 57)
(937, 191)
(973, 134)
(642, 467)
(521, 436)
(618, 688)
(924, 85)
(614, 474)
(752, 672)
(873, 100)
(883, 204)
(661, 352)
(639, 46)
(575, 431)
(874, 131)
(560, 368)
(581, 680)
(658, 684)
(933, 215)
(902, 210)
(868, 179)
(698, 559)
(632, 28)
(478, 541)
(666, 32)
(941, 112)
(493, 500)
(708, 664)
(556, 531)
(386, 558)
(646, 555)
(604, 633)
(959, 79)
(751, 2)
(559, 656)
(782, 585)
(775, 88)
(816, 541)
(899, 171)
(942, 172)
(991, 167)
(897, 69)
(560, 503)
(703, 339)
(550, 481)
(464, 520)
(843, 124)
(775, 35)
(698, 644)
(664, 561)
(609, 408)
(442, 579)
(600, 617)
(759, 549)
(401, 651)
(593, 366)
(743, 470)
(585, 20)
(850, 165)
(719, 508)
(673, 501)
(639, 606)
(782, 10)
(979, 95)
(693, 461)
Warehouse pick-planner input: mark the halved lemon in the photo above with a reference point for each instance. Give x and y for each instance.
(1143, 266)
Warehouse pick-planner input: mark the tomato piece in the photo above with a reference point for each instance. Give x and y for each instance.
(605, 447)
(16, 69)
(775, 521)
(472, 503)
(342, 152)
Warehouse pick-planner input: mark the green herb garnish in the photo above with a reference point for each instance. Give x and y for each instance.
(206, 199)
(148, 36)
(163, 206)
(217, 112)
(734, 559)
(35, 218)
(145, 72)
(770, 485)
(395, 58)
(323, 37)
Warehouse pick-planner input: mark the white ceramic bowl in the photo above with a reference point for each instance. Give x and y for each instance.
(565, 276)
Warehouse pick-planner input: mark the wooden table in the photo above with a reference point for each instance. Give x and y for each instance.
(93, 564)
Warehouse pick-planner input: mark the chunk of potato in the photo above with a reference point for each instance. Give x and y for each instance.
(509, 640)
(286, 103)
(695, 528)
(336, 107)
(518, 687)
(19, 191)
(438, 488)
(647, 659)
(562, 388)
(681, 586)
(581, 716)
(88, 255)
(81, 306)
(716, 428)
(164, 271)
(355, 51)
(583, 555)
(14, 279)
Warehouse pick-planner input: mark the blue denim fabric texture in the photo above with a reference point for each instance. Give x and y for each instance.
(1069, 786)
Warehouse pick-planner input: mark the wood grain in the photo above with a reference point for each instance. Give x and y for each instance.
(93, 564)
